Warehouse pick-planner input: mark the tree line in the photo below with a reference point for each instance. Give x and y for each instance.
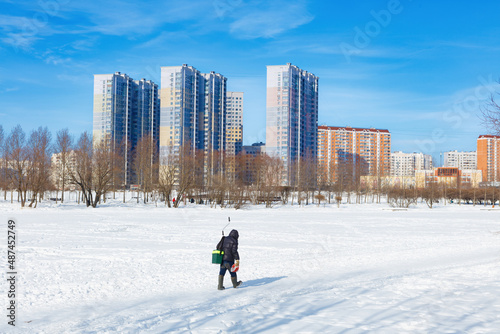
(96, 170)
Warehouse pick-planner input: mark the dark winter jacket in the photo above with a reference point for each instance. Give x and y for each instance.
(230, 247)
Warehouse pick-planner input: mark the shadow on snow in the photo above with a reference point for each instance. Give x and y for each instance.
(260, 281)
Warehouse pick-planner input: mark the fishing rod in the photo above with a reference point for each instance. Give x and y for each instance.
(229, 220)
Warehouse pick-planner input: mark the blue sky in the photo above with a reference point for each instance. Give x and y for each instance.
(420, 69)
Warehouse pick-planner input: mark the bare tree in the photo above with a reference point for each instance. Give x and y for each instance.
(63, 146)
(237, 194)
(490, 115)
(285, 194)
(306, 179)
(167, 174)
(95, 168)
(5, 169)
(254, 167)
(240, 179)
(270, 179)
(188, 162)
(431, 193)
(360, 169)
(145, 165)
(235, 189)
(345, 174)
(103, 170)
(81, 175)
(215, 182)
(324, 182)
(218, 190)
(18, 161)
(39, 155)
(401, 197)
(4, 178)
(120, 168)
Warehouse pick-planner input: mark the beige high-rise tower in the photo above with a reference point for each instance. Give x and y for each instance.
(125, 110)
(291, 118)
(234, 123)
(192, 113)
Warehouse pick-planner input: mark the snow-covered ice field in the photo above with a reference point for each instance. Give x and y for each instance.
(361, 268)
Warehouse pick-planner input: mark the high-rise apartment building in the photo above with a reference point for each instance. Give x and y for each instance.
(488, 157)
(460, 160)
(405, 164)
(193, 114)
(233, 132)
(124, 111)
(234, 123)
(352, 152)
(291, 118)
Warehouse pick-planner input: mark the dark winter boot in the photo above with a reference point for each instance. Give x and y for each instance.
(221, 282)
(235, 282)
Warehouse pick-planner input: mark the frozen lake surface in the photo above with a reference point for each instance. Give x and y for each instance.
(359, 268)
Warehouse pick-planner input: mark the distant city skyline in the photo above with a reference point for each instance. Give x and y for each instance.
(420, 70)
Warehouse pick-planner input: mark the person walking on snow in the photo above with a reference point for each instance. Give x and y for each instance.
(231, 256)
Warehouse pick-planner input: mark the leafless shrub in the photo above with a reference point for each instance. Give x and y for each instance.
(338, 199)
(319, 198)
(431, 194)
(401, 197)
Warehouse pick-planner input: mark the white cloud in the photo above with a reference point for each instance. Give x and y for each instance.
(268, 19)
(56, 60)
(84, 80)
(89, 19)
(19, 41)
(165, 38)
(8, 90)
(83, 44)
(114, 17)
(481, 92)
(9, 21)
(250, 19)
(485, 45)
(21, 32)
(132, 17)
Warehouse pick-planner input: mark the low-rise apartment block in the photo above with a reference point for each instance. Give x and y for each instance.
(352, 151)
(405, 164)
(460, 160)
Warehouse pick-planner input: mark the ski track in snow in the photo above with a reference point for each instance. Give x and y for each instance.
(140, 268)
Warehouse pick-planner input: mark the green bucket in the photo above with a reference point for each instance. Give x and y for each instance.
(217, 256)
